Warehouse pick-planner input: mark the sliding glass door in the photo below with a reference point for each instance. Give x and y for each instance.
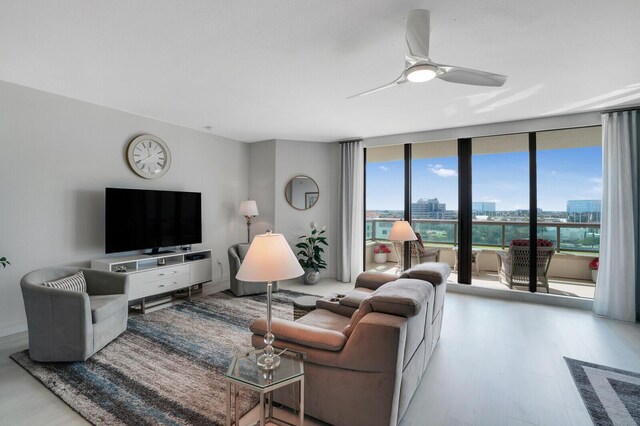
(519, 211)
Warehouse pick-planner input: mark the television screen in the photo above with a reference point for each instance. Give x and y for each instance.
(138, 219)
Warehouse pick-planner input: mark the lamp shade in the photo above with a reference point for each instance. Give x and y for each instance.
(269, 259)
(248, 208)
(401, 231)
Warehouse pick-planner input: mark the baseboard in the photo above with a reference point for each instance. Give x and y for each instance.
(7, 330)
(522, 296)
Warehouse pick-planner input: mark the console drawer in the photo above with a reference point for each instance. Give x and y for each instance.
(143, 286)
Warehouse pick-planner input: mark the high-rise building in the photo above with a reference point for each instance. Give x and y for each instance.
(483, 207)
(583, 211)
(431, 209)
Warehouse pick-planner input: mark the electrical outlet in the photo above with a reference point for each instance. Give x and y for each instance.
(219, 261)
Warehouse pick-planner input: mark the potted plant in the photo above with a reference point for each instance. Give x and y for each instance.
(380, 253)
(310, 254)
(593, 265)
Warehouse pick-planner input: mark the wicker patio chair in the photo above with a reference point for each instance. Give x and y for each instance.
(513, 265)
(422, 253)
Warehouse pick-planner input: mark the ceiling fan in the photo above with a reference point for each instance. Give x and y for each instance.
(419, 68)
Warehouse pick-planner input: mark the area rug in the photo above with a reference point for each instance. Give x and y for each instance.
(167, 368)
(612, 396)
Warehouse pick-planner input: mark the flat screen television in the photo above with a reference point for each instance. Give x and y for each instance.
(139, 219)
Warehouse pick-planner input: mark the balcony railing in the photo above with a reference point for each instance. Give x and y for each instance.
(566, 236)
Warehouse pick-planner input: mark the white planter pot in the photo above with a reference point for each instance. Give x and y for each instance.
(380, 257)
(594, 275)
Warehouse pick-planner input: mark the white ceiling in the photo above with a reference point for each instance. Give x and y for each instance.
(255, 70)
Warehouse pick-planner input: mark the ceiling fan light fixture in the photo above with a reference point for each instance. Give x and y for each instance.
(421, 73)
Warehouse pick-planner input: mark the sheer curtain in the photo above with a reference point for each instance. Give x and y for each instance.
(351, 214)
(617, 285)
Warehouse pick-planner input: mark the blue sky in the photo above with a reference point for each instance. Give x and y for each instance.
(563, 174)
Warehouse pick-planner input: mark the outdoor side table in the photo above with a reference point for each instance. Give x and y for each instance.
(244, 372)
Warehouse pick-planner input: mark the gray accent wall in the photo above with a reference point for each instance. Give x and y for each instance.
(56, 157)
(273, 164)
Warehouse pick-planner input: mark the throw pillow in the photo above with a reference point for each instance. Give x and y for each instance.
(75, 282)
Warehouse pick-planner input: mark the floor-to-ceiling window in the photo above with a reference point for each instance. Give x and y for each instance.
(434, 199)
(569, 186)
(384, 203)
(500, 207)
(542, 184)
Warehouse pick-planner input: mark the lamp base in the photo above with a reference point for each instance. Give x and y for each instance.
(268, 362)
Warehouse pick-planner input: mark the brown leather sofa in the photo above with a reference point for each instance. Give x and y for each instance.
(366, 354)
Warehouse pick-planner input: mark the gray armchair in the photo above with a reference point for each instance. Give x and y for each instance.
(67, 325)
(237, 252)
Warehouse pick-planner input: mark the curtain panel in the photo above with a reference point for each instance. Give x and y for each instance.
(351, 210)
(618, 286)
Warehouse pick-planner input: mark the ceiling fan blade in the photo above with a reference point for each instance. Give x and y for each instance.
(454, 74)
(399, 80)
(417, 35)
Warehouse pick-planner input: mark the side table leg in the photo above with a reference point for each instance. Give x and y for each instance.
(301, 415)
(228, 403)
(262, 421)
(236, 404)
(271, 405)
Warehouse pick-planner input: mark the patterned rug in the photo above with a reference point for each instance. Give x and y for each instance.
(167, 368)
(611, 396)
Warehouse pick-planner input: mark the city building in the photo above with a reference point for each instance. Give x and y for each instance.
(431, 209)
(583, 211)
(484, 207)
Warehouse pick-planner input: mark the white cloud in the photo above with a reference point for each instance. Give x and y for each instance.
(383, 168)
(439, 170)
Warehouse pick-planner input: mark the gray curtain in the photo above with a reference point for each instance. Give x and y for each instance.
(351, 214)
(618, 284)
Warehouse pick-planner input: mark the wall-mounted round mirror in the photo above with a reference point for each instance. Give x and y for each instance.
(302, 192)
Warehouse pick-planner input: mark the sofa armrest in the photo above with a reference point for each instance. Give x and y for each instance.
(373, 280)
(301, 334)
(335, 307)
(105, 282)
(382, 335)
(57, 319)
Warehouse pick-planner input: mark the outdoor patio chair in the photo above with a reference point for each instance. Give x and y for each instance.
(513, 265)
(422, 253)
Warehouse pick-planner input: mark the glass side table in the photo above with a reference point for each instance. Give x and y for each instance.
(244, 372)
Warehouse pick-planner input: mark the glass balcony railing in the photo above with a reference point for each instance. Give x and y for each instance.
(566, 236)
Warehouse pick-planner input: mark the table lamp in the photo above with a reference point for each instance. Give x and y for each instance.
(249, 209)
(401, 231)
(269, 259)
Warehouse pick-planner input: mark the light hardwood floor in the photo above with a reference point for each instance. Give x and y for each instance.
(498, 362)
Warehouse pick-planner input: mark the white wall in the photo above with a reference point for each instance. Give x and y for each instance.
(317, 160)
(56, 157)
(262, 184)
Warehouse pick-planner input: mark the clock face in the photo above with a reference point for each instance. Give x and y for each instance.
(149, 156)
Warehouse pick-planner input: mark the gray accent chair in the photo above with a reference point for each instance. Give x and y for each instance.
(237, 253)
(364, 363)
(67, 325)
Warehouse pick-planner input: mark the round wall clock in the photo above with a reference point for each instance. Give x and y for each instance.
(149, 156)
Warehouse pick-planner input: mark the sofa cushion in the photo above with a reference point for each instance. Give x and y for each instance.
(525, 243)
(404, 297)
(243, 249)
(75, 282)
(104, 306)
(324, 319)
(434, 272)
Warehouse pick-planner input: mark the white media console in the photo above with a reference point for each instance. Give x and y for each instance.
(153, 275)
